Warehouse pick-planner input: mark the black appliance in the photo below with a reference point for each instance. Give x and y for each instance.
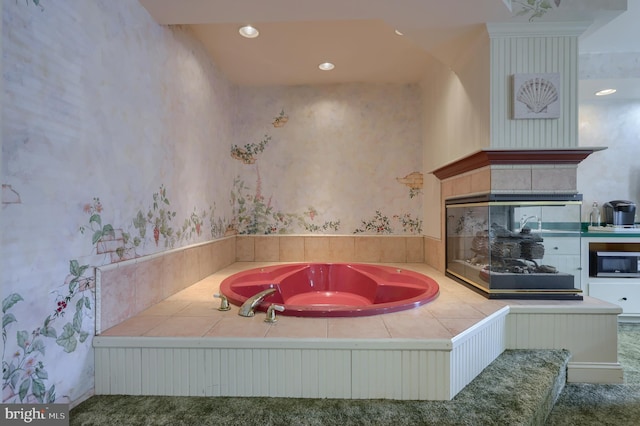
(620, 264)
(619, 213)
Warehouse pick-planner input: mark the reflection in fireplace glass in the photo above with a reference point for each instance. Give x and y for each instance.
(516, 246)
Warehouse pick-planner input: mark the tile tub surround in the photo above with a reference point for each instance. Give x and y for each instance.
(330, 248)
(127, 288)
(150, 279)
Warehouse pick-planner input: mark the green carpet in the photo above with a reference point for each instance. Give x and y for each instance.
(516, 389)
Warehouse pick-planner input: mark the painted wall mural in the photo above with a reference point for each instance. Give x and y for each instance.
(103, 160)
(70, 320)
(330, 161)
(253, 214)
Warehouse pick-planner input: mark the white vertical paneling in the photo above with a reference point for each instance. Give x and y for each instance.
(282, 373)
(118, 377)
(413, 373)
(474, 351)
(438, 376)
(245, 378)
(102, 369)
(335, 373)
(377, 374)
(163, 371)
(381, 372)
(535, 54)
(148, 361)
(257, 380)
(133, 366)
(195, 382)
(167, 373)
(212, 372)
(589, 337)
(310, 374)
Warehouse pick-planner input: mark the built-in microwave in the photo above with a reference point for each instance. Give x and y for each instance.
(614, 264)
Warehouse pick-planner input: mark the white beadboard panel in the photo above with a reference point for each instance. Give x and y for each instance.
(433, 374)
(589, 337)
(310, 373)
(476, 348)
(285, 368)
(401, 369)
(539, 54)
(372, 382)
(101, 374)
(406, 369)
(334, 369)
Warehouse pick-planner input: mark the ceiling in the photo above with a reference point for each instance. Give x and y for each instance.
(358, 35)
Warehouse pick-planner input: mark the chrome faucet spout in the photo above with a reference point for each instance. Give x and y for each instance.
(248, 307)
(524, 220)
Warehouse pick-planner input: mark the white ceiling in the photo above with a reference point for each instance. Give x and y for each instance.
(358, 35)
(620, 35)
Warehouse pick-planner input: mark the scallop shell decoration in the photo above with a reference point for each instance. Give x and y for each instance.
(537, 94)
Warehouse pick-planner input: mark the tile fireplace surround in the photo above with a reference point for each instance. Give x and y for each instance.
(504, 171)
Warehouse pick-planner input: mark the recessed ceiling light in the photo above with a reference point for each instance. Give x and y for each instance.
(398, 32)
(606, 92)
(248, 31)
(326, 66)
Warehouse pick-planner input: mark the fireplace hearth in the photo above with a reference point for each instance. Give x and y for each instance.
(515, 245)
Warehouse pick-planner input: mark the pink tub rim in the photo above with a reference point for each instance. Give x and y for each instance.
(347, 289)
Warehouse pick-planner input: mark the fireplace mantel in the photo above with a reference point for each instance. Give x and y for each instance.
(488, 157)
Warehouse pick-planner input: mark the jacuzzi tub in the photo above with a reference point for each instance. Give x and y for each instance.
(332, 289)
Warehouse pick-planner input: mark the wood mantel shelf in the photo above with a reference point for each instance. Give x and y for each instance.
(488, 157)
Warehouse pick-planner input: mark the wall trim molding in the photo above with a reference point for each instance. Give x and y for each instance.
(537, 29)
(490, 157)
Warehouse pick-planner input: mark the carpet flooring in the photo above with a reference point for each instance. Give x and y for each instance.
(513, 390)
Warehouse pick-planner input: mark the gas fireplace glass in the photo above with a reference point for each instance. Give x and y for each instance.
(516, 246)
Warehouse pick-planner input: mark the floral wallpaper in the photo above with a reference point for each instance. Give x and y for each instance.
(334, 159)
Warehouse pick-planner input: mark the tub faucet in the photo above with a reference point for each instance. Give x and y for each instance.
(246, 310)
(224, 302)
(524, 220)
(271, 312)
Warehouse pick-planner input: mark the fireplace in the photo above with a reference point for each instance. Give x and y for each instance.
(507, 245)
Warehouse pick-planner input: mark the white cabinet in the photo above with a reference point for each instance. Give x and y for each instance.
(624, 292)
(564, 254)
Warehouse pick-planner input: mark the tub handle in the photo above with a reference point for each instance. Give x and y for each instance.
(271, 312)
(224, 302)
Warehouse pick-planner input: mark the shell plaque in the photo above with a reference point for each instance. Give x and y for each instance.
(536, 95)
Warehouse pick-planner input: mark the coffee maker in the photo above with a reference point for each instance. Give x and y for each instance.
(619, 213)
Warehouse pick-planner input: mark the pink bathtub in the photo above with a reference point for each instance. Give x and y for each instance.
(332, 289)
